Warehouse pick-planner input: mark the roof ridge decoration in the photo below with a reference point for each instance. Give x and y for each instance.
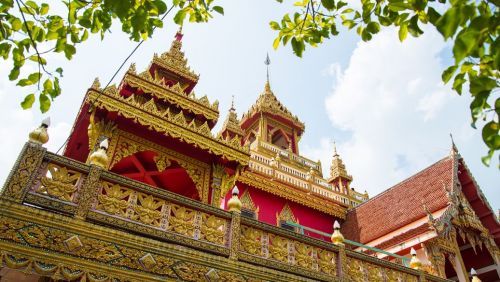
(165, 92)
(231, 123)
(146, 112)
(267, 102)
(175, 61)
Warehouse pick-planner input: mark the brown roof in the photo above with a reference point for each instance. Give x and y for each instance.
(401, 204)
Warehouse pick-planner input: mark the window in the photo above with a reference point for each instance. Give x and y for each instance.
(247, 213)
(287, 226)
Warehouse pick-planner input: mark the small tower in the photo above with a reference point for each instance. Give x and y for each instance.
(339, 177)
(231, 126)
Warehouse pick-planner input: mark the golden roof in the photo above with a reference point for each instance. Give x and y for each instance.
(268, 103)
(175, 61)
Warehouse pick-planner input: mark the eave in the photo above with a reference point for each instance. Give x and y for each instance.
(293, 194)
(173, 95)
(171, 125)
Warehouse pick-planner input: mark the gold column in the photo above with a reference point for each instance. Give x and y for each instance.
(342, 263)
(24, 171)
(234, 240)
(88, 192)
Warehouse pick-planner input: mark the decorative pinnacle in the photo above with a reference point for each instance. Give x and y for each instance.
(267, 62)
(46, 122)
(473, 272)
(235, 191)
(336, 225)
(413, 252)
(104, 144)
(335, 149)
(232, 109)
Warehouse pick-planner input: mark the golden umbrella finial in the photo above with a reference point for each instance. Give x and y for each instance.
(100, 156)
(337, 237)
(234, 204)
(473, 273)
(40, 134)
(415, 262)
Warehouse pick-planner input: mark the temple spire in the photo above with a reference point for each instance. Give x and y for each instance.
(179, 35)
(267, 62)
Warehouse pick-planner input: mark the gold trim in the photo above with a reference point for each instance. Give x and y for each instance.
(292, 194)
(169, 124)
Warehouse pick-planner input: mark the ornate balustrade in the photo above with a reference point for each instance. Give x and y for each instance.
(69, 220)
(289, 155)
(286, 174)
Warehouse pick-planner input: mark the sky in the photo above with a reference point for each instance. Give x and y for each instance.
(382, 102)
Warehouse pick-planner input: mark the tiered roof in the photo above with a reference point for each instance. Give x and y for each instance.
(268, 103)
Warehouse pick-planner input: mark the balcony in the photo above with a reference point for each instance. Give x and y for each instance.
(68, 220)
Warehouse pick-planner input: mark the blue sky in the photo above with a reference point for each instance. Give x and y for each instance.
(383, 102)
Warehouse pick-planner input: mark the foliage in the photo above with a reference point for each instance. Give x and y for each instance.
(473, 25)
(27, 26)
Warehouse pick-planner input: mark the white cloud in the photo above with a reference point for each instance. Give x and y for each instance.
(391, 100)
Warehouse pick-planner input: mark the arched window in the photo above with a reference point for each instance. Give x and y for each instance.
(280, 139)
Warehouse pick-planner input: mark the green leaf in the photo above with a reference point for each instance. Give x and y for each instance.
(44, 103)
(218, 9)
(458, 82)
(448, 73)
(328, 4)
(448, 23)
(16, 24)
(490, 131)
(44, 9)
(5, 50)
(465, 43)
(59, 71)
(14, 73)
(35, 77)
(275, 25)
(276, 42)
(298, 46)
(69, 51)
(179, 17)
(403, 31)
(28, 101)
(47, 85)
(373, 27)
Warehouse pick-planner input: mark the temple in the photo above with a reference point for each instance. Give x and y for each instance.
(146, 191)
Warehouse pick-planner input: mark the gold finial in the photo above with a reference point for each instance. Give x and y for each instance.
(473, 273)
(40, 134)
(454, 149)
(267, 62)
(100, 157)
(232, 109)
(234, 204)
(415, 263)
(337, 237)
(335, 154)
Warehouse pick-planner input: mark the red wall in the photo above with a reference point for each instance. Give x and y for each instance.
(270, 205)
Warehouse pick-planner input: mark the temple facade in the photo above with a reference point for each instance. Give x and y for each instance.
(145, 191)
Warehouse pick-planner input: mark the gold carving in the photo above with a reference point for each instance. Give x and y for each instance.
(60, 182)
(73, 243)
(213, 229)
(278, 248)
(182, 220)
(19, 180)
(146, 209)
(303, 255)
(289, 193)
(326, 262)
(113, 200)
(164, 122)
(286, 214)
(251, 240)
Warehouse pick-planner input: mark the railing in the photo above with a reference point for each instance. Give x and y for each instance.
(404, 260)
(291, 156)
(319, 186)
(64, 186)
